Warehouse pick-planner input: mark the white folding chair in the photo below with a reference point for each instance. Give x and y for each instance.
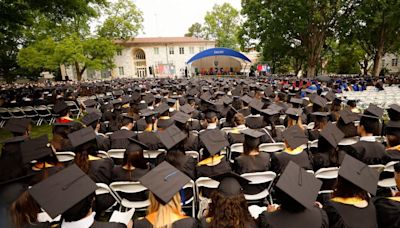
(271, 147)
(330, 173)
(65, 156)
(103, 188)
(227, 130)
(17, 113)
(378, 167)
(260, 178)
(4, 115)
(74, 109)
(43, 113)
(310, 126)
(280, 127)
(388, 182)
(116, 153)
(256, 210)
(205, 182)
(102, 154)
(348, 141)
(193, 154)
(313, 143)
(130, 187)
(191, 200)
(152, 154)
(236, 148)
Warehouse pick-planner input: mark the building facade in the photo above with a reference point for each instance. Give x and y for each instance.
(391, 63)
(148, 57)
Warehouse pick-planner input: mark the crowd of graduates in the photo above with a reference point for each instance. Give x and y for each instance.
(192, 125)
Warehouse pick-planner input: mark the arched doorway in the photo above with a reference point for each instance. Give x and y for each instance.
(139, 61)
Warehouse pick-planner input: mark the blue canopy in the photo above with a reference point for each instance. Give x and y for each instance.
(218, 52)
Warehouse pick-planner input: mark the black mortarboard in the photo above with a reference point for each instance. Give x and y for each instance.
(162, 108)
(269, 91)
(395, 107)
(90, 118)
(147, 112)
(82, 136)
(294, 100)
(300, 185)
(164, 181)
(127, 116)
(17, 139)
(186, 109)
(332, 134)
(60, 106)
(393, 128)
(90, 103)
(118, 93)
(347, 116)
(206, 96)
(149, 98)
(374, 110)
(171, 136)
(275, 107)
(359, 174)
(230, 184)
(330, 96)
(181, 117)
(294, 113)
(320, 114)
(226, 100)
(246, 99)
(17, 125)
(37, 148)
(136, 145)
(61, 191)
(214, 140)
(295, 137)
(318, 100)
(256, 104)
(171, 101)
(164, 123)
(252, 133)
(269, 112)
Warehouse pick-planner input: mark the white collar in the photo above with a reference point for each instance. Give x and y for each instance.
(368, 139)
(256, 115)
(83, 223)
(124, 128)
(212, 126)
(241, 127)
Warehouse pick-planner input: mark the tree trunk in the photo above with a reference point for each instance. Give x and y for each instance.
(314, 43)
(365, 66)
(377, 61)
(78, 72)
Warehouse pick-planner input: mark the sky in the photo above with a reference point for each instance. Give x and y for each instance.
(171, 18)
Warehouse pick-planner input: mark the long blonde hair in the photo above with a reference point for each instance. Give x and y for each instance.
(164, 214)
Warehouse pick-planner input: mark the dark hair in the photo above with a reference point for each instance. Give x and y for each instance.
(250, 145)
(211, 117)
(126, 121)
(82, 153)
(133, 156)
(325, 147)
(281, 96)
(79, 210)
(24, 210)
(227, 212)
(64, 112)
(287, 203)
(370, 125)
(393, 140)
(346, 189)
(393, 115)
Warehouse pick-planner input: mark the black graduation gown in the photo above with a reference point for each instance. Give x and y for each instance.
(308, 218)
(313, 135)
(119, 139)
(97, 224)
(279, 160)
(11, 159)
(348, 216)
(185, 163)
(391, 155)
(191, 143)
(387, 212)
(150, 139)
(37, 225)
(209, 171)
(103, 143)
(140, 125)
(101, 172)
(255, 122)
(245, 111)
(120, 174)
(368, 152)
(251, 164)
(182, 223)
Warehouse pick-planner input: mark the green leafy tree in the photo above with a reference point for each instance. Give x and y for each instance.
(375, 27)
(196, 30)
(124, 20)
(306, 24)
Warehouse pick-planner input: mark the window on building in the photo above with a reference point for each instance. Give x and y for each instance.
(191, 50)
(121, 70)
(171, 51)
(394, 62)
(201, 49)
(383, 62)
(119, 52)
(181, 50)
(156, 51)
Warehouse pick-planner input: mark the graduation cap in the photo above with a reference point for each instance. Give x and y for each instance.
(162, 108)
(118, 93)
(164, 123)
(395, 107)
(256, 104)
(359, 174)
(294, 113)
(180, 117)
(318, 100)
(230, 184)
(330, 96)
(269, 112)
(171, 101)
(246, 99)
(37, 148)
(348, 116)
(275, 107)
(171, 136)
(269, 91)
(186, 109)
(295, 137)
(17, 125)
(164, 181)
(116, 102)
(332, 134)
(320, 115)
(17, 139)
(294, 100)
(214, 140)
(300, 185)
(206, 96)
(63, 190)
(226, 100)
(90, 118)
(147, 112)
(90, 103)
(374, 110)
(136, 145)
(393, 128)
(127, 116)
(149, 98)
(250, 133)
(60, 107)
(82, 136)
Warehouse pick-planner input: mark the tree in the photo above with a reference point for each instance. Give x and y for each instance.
(196, 30)
(375, 27)
(124, 20)
(48, 54)
(306, 22)
(221, 24)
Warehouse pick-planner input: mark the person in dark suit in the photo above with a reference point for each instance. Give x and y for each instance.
(120, 139)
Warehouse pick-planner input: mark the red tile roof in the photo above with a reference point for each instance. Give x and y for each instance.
(164, 40)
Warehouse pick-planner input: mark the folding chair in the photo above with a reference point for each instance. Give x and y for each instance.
(65, 156)
(237, 149)
(74, 109)
(105, 189)
(330, 173)
(227, 130)
(54, 115)
(271, 147)
(4, 116)
(193, 154)
(280, 127)
(313, 143)
(388, 182)
(31, 113)
(44, 114)
(116, 153)
(130, 187)
(348, 141)
(102, 154)
(192, 200)
(152, 154)
(17, 113)
(260, 178)
(205, 182)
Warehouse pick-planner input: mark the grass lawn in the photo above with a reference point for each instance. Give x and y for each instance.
(35, 132)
